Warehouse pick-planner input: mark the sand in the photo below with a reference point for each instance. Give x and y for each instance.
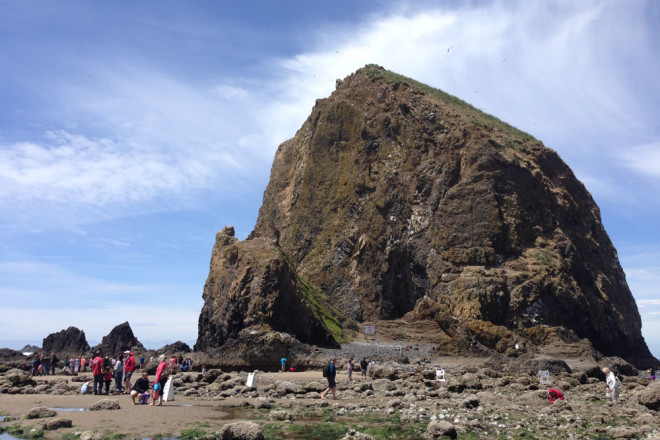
(139, 421)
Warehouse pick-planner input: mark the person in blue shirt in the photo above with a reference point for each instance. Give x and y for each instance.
(332, 385)
(283, 360)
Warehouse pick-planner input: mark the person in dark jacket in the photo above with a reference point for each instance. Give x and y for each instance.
(141, 388)
(332, 385)
(363, 366)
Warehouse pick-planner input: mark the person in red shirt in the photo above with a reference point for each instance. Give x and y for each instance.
(162, 372)
(554, 395)
(129, 367)
(97, 371)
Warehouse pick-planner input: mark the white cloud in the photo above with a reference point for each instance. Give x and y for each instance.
(644, 159)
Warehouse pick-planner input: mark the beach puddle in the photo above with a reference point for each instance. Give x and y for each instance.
(68, 409)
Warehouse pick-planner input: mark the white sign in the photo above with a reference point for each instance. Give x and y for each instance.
(251, 380)
(369, 329)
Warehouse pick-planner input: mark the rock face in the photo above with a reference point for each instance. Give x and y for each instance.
(71, 340)
(120, 339)
(253, 284)
(395, 198)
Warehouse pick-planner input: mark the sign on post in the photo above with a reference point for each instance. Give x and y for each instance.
(252, 379)
(544, 377)
(369, 329)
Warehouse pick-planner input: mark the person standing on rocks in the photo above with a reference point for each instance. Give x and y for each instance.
(129, 367)
(350, 369)
(97, 371)
(612, 386)
(83, 362)
(330, 372)
(283, 362)
(363, 366)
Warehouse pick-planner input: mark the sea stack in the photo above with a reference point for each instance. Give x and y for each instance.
(396, 199)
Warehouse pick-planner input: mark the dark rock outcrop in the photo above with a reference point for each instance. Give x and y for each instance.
(252, 283)
(120, 339)
(71, 340)
(395, 196)
(177, 347)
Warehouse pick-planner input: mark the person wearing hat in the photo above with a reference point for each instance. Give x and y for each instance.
(129, 367)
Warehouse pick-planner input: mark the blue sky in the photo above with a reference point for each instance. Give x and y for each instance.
(131, 132)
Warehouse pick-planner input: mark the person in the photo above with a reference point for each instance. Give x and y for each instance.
(83, 362)
(612, 386)
(119, 375)
(141, 360)
(363, 366)
(180, 360)
(141, 388)
(651, 372)
(76, 366)
(350, 369)
(554, 395)
(97, 372)
(162, 374)
(203, 370)
(107, 376)
(129, 367)
(66, 367)
(53, 362)
(331, 374)
(283, 362)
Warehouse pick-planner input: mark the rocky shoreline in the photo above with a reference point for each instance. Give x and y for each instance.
(480, 398)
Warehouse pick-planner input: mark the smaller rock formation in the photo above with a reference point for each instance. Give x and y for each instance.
(177, 347)
(120, 339)
(252, 284)
(71, 340)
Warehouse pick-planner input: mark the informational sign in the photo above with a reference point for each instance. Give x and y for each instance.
(369, 329)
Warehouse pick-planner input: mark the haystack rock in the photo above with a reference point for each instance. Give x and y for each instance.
(395, 199)
(72, 340)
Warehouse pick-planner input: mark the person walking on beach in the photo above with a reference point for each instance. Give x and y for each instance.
(330, 372)
(612, 386)
(283, 362)
(97, 371)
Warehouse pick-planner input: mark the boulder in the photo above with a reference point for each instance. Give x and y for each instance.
(57, 423)
(40, 412)
(105, 404)
(440, 429)
(120, 339)
(242, 431)
(650, 396)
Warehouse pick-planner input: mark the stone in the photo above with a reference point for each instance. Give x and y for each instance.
(105, 404)
(40, 412)
(280, 415)
(120, 339)
(57, 423)
(241, 431)
(650, 396)
(439, 429)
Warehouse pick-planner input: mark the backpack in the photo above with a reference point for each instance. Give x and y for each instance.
(326, 370)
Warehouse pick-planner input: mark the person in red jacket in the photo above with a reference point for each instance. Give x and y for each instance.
(129, 367)
(554, 395)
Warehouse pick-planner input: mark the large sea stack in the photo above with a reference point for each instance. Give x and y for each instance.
(395, 198)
